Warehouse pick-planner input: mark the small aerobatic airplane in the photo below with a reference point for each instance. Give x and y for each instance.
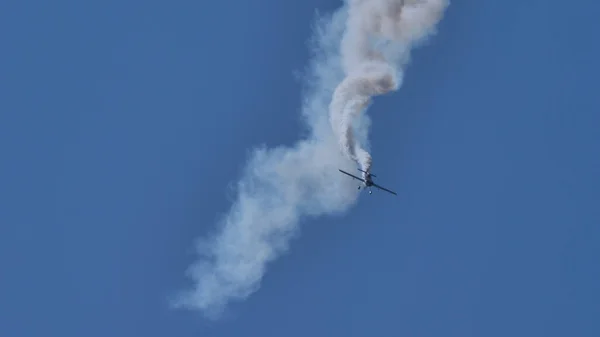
(368, 181)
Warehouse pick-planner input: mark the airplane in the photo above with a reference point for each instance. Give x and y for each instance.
(368, 181)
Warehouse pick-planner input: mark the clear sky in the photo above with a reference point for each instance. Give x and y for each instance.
(122, 124)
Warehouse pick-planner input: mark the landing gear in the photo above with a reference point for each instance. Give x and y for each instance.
(370, 192)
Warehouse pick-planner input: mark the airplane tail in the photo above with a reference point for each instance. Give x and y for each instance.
(372, 175)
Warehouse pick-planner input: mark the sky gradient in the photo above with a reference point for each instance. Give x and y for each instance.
(123, 124)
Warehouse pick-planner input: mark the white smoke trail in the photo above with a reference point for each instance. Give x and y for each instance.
(371, 70)
(283, 184)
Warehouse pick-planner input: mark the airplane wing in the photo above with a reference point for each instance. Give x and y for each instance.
(353, 176)
(385, 189)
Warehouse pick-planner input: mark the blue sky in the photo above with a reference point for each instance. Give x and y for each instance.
(124, 123)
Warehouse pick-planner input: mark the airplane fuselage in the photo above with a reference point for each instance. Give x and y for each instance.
(368, 180)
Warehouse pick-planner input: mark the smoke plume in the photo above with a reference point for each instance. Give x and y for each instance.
(374, 70)
(359, 52)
